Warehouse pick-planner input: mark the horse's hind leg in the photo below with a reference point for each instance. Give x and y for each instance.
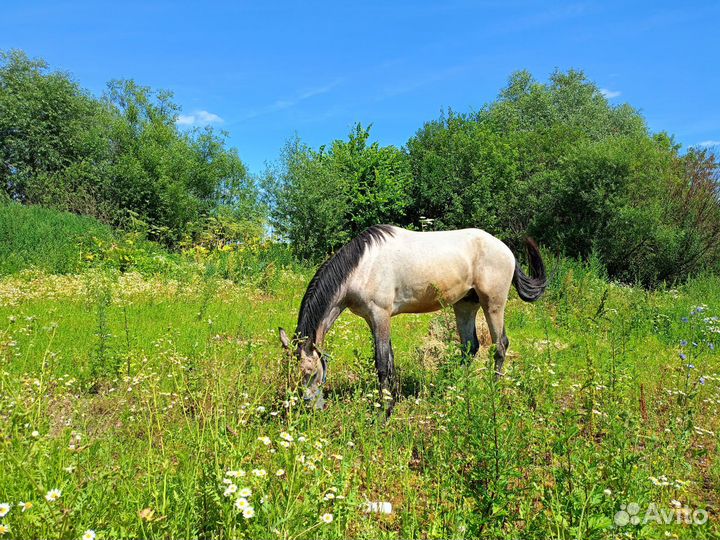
(465, 313)
(495, 317)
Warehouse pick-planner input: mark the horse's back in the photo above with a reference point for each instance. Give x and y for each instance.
(421, 271)
(435, 247)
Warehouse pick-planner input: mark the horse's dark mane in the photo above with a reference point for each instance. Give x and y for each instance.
(330, 277)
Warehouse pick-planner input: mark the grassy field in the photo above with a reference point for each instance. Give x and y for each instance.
(153, 404)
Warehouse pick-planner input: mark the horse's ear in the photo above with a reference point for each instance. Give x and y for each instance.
(284, 339)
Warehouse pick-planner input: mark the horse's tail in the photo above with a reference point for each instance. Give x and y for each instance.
(532, 287)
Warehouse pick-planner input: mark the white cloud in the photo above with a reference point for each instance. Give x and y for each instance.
(609, 94)
(198, 118)
(185, 120)
(708, 144)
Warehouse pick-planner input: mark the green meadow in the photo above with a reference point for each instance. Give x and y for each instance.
(162, 406)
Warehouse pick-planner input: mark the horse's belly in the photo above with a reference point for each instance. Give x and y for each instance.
(417, 307)
(429, 297)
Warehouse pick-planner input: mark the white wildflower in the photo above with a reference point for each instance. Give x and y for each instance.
(53, 495)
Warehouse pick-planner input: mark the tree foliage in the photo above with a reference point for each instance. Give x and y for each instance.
(114, 157)
(554, 160)
(321, 198)
(559, 162)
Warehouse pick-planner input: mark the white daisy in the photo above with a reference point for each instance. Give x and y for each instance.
(53, 495)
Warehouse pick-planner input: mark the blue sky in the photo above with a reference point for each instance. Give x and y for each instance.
(265, 71)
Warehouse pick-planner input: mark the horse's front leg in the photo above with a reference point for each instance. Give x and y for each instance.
(384, 360)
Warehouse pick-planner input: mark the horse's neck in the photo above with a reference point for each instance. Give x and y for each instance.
(329, 319)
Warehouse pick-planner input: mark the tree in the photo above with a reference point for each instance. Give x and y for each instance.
(561, 163)
(48, 140)
(116, 156)
(320, 199)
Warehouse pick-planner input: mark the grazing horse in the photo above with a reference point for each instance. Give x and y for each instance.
(387, 270)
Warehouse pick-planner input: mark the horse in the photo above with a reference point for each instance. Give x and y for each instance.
(387, 270)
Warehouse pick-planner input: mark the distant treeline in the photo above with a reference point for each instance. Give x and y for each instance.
(556, 161)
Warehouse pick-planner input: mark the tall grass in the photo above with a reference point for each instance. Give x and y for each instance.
(152, 400)
(144, 400)
(48, 240)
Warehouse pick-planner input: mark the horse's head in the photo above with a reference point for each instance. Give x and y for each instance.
(313, 367)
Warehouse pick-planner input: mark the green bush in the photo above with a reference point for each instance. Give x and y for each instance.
(554, 160)
(321, 199)
(36, 237)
